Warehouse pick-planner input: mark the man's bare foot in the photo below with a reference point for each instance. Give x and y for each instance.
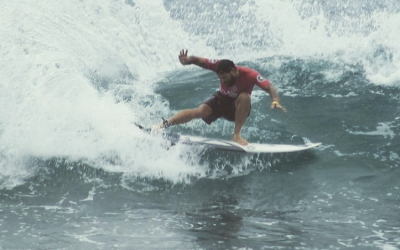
(240, 140)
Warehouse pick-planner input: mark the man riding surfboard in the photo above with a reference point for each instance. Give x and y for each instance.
(233, 99)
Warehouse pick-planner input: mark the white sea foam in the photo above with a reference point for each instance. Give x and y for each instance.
(52, 108)
(383, 129)
(304, 29)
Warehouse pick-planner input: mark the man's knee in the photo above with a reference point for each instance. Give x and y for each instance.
(244, 99)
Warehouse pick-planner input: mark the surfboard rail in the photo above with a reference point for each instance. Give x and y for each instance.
(250, 148)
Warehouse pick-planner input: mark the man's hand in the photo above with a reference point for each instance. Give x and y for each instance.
(276, 105)
(183, 58)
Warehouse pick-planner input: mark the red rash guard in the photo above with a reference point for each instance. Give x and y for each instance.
(245, 83)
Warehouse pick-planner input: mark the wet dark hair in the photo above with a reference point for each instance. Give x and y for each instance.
(225, 66)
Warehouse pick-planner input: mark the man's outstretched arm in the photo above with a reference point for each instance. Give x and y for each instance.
(186, 60)
(274, 97)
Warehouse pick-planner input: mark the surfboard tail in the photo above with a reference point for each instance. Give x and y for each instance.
(148, 130)
(173, 138)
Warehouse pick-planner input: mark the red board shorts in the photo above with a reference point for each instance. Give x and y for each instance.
(222, 106)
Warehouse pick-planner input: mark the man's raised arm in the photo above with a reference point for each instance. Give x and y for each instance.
(186, 60)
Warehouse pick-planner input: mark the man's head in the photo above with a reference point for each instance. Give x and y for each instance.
(227, 72)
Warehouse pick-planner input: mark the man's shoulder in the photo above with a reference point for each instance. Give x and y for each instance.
(210, 64)
(249, 72)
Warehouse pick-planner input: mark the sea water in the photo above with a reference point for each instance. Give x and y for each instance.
(76, 173)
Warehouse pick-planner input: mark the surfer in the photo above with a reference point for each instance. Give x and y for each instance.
(232, 101)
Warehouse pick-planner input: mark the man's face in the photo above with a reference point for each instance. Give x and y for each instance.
(228, 78)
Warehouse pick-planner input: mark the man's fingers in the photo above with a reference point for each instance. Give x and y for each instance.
(278, 106)
(183, 52)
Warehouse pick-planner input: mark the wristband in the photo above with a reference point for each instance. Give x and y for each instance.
(275, 103)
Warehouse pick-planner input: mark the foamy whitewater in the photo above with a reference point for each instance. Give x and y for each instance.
(77, 173)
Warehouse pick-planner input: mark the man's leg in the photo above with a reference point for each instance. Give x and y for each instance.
(242, 104)
(187, 115)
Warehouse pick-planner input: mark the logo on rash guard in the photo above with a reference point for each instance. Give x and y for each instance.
(213, 61)
(232, 91)
(260, 78)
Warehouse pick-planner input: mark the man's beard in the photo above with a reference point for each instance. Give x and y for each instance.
(231, 81)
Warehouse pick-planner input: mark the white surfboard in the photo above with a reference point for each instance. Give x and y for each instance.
(250, 148)
(234, 146)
